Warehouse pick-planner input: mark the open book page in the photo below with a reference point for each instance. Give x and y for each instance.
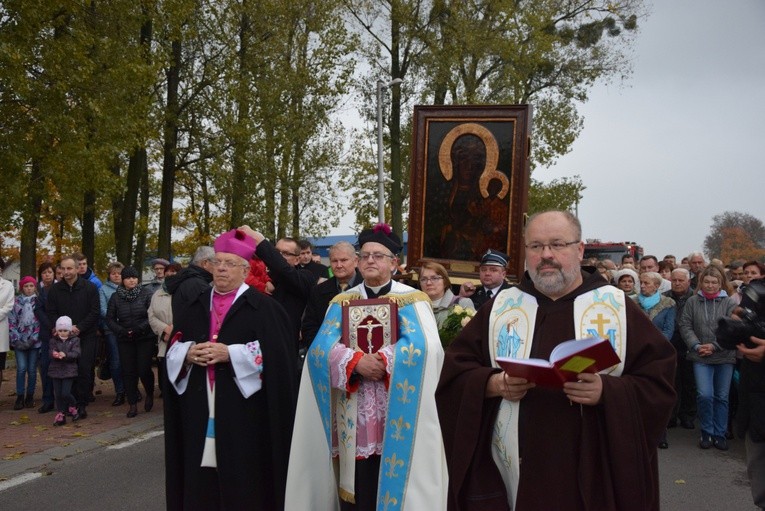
(566, 361)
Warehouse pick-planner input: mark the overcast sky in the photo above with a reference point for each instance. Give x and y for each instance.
(683, 139)
(679, 141)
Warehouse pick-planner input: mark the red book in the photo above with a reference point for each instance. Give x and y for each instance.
(568, 359)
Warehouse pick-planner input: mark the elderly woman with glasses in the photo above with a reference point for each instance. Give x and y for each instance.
(434, 281)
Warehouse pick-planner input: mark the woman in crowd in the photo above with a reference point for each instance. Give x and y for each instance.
(753, 270)
(105, 293)
(24, 330)
(128, 318)
(434, 281)
(661, 310)
(627, 280)
(46, 277)
(161, 318)
(712, 365)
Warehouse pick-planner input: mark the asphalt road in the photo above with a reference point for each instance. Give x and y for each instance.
(129, 476)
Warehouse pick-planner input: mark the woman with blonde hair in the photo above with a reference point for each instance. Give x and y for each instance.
(712, 364)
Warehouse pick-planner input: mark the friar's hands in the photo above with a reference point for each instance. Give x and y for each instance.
(507, 387)
(371, 367)
(754, 354)
(587, 391)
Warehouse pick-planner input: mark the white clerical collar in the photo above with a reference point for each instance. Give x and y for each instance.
(376, 289)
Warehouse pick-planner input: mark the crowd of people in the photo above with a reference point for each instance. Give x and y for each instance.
(288, 384)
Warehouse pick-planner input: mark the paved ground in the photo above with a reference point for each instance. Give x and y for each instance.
(26, 434)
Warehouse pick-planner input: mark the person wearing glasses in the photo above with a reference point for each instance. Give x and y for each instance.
(491, 273)
(434, 281)
(230, 402)
(371, 416)
(591, 444)
(292, 285)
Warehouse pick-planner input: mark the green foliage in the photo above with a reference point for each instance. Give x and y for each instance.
(561, 194)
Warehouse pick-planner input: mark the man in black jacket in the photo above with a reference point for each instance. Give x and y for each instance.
(491, 273)
(344, 263)
(292, 285)
(685, 382)
(192, 281)
(78, 298)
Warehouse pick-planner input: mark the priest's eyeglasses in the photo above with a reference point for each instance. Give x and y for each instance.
(376, 256)
(555, 246)
(229, 265)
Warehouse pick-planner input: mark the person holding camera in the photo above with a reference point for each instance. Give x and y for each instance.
(127, 316)
(712, 363)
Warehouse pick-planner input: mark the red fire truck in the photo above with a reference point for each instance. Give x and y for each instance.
(613, 250)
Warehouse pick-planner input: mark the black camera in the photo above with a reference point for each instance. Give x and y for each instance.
(731, 332)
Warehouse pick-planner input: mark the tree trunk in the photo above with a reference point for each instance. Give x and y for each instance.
(89, 225)
(126, 228)
(239, 171)
(31, 221)
(140, 242)
(169, 147)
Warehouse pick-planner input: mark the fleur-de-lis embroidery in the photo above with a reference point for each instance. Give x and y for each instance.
(393, 462)
(405, 390)
(406, 326)
(322, 392)
(318, 354)
(398, 425)
(411, 352)
(387, 500)
(330, 324)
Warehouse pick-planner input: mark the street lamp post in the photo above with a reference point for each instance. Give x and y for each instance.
(380, 174)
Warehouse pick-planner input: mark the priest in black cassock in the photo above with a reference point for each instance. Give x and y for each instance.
(230, 394)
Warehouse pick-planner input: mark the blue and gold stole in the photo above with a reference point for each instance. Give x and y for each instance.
(404, 392)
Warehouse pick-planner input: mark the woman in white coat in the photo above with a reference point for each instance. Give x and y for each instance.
(6, 306)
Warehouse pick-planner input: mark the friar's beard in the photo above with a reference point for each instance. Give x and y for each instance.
(553, 283)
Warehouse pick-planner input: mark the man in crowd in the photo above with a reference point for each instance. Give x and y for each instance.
(159, 266)
(697, 263)
(306, 262)
(491, 273)
(649, 263)
(230, 404)
(670, 259)
(84, 271)
(627, 259)
(591, 444)
(190, 282)
(386, 450)
(344, 263)
(76, 297)
(292, 286)
(685, 382)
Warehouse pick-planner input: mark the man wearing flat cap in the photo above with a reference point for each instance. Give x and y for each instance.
(230, 394)
(491, 273)
(366, 432)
